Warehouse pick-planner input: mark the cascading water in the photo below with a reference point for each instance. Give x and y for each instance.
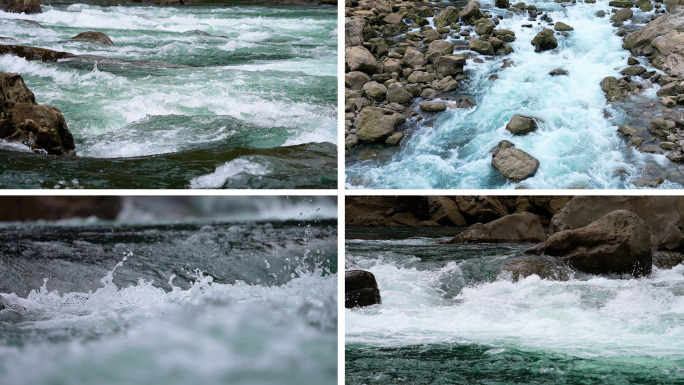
(577, 143)
(184, 301)
(444, 319)
(232, 95)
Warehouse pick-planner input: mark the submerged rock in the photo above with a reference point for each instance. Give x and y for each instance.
(360, 289)
(40, 127)
(512, 163)
(558, 72)
(543, 266)
(93, 37)
(619, 242)
(513, 228)
(20, 6)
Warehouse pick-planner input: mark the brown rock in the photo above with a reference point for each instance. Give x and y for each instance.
(619, 242)
(376, 124)
(93, 37)
(514, 228)
(360, 59)
(514, 164)
(20, 6)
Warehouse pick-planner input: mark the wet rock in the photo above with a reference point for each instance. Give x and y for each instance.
(432, 106)
(611, 88)
(619, 242)
(544, 267)
(465, 102)
(627, 130)
(397, 94)
(446, 17)
(649, 181)
(93, 37)
(672, 89)
(622, 15)
(360, 59)
(360, 289)
(544, 41)
(40, 127)
(481, 46)
(644, 5)
(601, 13)
(521, 125)
(512, 163)
(376, 124)
(20, 6)
(560, 26)
(633, 71)
(356, 79)
(558, 72)
(667, 259)
(350, 141)
(484, 26)
(513, 228)
(505, 35)
(394, 139)
(450, 65)
(33, 53)
(502, 4)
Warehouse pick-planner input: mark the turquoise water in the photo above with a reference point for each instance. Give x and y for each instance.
(169, 302)
(445, 320)
(577, 143)
(235, 96)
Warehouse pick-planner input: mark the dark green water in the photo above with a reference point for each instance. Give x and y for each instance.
(445, 320)
(225, 95)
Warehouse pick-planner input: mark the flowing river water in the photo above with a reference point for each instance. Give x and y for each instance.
(577, 143)
(169, 301)
(443, 319)
(224, 95)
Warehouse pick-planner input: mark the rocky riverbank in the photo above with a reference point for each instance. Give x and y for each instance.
(405, 66)
(652, 127)
(614, 236)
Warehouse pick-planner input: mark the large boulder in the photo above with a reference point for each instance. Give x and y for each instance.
(360, 59)
(544, 40)
(360, 289)
(484, 26)
(93, 37)
(514, 228)
(544, 267)
(356, 79)
(512, 163)
(521, 125)
(376, 124)
(39, 127)
(619, 242)
(374, 91)
(664, 39)
(20, 6)
(663, 215)
(471, 12)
